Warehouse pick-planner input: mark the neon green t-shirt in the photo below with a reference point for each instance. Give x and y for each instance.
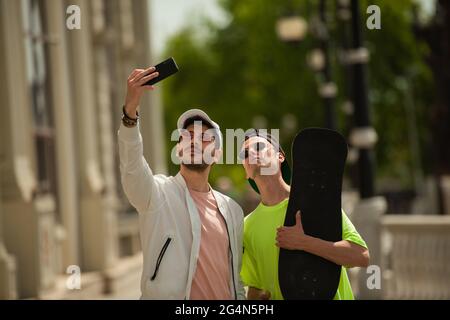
(260, 258)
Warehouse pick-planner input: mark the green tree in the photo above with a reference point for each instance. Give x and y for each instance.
(242, 70)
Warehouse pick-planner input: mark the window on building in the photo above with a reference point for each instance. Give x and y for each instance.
(36, 46)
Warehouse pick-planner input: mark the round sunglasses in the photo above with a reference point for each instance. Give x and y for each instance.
(257, 147)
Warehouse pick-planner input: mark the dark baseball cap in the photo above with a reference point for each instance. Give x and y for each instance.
(285, 169)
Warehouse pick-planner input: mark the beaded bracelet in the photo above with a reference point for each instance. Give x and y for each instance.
(127, 120)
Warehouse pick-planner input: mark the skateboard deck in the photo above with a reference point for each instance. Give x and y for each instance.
(318, 164)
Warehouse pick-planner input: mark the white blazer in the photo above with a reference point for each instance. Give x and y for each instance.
(170, 226)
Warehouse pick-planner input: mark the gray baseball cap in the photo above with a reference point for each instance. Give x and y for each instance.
(193, 113)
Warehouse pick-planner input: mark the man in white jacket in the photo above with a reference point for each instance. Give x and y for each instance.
(191, 235)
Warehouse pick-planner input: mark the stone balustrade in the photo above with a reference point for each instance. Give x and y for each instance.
(415, 257)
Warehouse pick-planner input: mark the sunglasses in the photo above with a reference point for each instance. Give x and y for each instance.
(257, 147)
(204, 136)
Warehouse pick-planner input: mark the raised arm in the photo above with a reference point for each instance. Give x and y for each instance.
(137, 178)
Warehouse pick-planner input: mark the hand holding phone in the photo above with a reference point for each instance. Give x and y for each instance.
(144, 79)
(165, 69)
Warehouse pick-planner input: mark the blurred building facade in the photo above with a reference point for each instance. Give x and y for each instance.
(61, 93)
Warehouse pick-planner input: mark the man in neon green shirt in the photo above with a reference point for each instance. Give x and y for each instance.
(264, 232)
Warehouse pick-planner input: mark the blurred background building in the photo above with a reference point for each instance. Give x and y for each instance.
(61, 94)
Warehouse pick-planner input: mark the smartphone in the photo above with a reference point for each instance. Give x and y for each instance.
(166, 68)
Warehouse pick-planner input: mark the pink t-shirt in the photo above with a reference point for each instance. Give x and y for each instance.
(212, 276)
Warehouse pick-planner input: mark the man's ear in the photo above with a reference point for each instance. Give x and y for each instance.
(179, 150)
(281, 157)
(217, 155)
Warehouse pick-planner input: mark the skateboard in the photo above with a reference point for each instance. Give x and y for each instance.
(319, 157)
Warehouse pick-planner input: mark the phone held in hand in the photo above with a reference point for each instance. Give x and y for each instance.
(165, 69)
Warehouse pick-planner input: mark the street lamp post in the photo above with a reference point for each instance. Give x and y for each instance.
(368, 211)
(343, 15)
(327, 89)
(292, 29)
(364, 135)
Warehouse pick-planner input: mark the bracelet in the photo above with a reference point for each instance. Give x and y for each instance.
(127, 123)
(128, 117)
(127, 120)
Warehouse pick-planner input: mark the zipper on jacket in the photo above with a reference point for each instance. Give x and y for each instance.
(161, 255)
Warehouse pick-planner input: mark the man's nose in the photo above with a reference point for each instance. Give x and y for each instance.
(253, 152)
(252, 157)
(195, 143)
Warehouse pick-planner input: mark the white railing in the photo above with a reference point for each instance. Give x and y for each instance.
(416, 257)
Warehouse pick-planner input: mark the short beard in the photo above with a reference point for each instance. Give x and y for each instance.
(197, 167)
(194, 165)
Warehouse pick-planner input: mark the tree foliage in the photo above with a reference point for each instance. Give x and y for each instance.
(241, 70)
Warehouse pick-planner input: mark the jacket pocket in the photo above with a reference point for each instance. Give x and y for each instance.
(160, 257)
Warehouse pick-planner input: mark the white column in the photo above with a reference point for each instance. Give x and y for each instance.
(367, 216)
(8, 283)
(98, 218)
(8, 290)
(107, 144)
(152, 120)
(55, 11)
(27, 220)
